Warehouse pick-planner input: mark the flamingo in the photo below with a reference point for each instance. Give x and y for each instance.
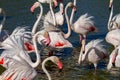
(83, 26)
(95, 51)
(11, 43)
(113, 37)
(50, 5)
(18, 70)
(44, 34)
(53, 37)
(55, 60)
(113, 22)
(17, 31)
(18, 63)
(4, 18)
(21, 70)
(19, 67)
(114, 58)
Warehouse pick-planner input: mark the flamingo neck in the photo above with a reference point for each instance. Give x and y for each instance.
(53, 15)
(72, 14)
(61, 8)
(68, 24)
(38, 59)
(38, 20)
(3, 21)
(44, 69)
(110, 19)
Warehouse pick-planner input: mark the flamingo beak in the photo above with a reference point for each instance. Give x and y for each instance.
(110, 4)
(59, 64)
(35, 5)
(55, 3)
(32, 9)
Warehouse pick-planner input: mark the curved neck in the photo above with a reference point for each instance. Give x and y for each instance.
(110, 18)
(3, 21)
(26, 56)
(53, 15)
(38, 20)
(44, 69)
(72, 14)
(68, 24)
(38, 59)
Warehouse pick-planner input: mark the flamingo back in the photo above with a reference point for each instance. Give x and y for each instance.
(58, 41)
(113, 37)
(84, 24)
(99, 48)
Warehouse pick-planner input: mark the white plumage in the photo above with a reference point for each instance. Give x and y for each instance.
(95, 51)
(113, 37)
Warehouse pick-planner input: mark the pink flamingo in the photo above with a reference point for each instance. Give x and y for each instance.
(113, 22)
(83, 26)
(20, 66)
(95, 51)
(52, 36)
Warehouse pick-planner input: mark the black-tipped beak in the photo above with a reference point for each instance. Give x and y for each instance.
(109, 8)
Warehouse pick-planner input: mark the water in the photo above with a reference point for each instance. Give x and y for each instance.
(18, 14)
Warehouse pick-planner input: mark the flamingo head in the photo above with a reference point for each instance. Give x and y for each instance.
(56, 2)
(44, 38)
(110, 4)
(62, 8)
(57, 61)
(72, 6)
(82, 52)
(35, 5)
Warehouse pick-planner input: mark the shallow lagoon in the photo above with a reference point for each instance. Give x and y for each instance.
(18, 14)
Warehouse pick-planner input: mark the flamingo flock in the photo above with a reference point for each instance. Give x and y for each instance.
(24, 41)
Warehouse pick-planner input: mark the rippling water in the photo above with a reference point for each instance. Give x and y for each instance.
(18, 14)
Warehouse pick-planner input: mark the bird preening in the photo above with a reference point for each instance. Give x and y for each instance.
(26, 40)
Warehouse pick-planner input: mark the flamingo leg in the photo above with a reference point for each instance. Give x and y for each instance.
(80, 38)
(95, 66)
(84, 42)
